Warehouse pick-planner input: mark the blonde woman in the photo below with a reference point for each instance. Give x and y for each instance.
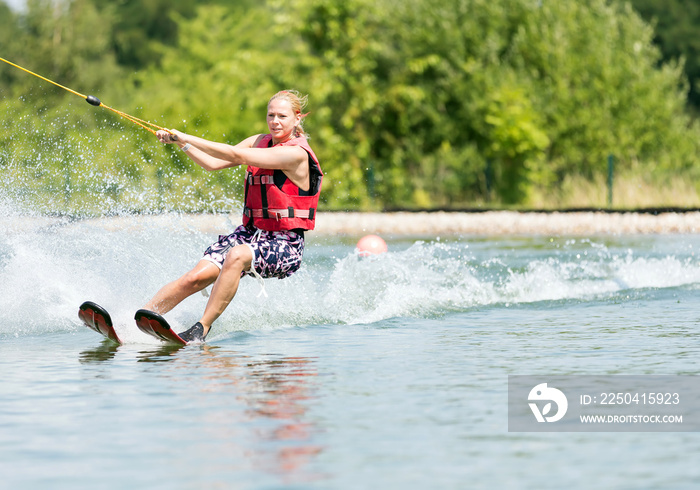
(282, 186)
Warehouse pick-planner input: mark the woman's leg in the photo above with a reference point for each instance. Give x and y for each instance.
(170, 295)
(238, 259)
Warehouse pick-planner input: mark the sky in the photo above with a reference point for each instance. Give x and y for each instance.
(15, 4)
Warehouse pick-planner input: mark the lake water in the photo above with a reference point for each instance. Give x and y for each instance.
(384, 372)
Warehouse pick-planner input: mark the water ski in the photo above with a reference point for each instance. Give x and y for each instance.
(155, 325)
(96, 318)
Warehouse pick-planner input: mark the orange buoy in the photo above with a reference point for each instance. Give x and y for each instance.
(371, 245)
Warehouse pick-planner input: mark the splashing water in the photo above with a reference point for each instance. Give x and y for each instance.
(78, 166)
(58, 249)
(48, 266)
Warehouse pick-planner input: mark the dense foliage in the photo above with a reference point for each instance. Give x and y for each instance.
(677, 25)
(413, 103)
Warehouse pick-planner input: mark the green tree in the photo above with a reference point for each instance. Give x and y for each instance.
(677, 34)
(594, 69)
(141, 27)
(54, 148)
(9, 36)
(545, 89)
(60, 41)
(413, 103)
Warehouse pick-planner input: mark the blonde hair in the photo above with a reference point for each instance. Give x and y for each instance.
(298, 103)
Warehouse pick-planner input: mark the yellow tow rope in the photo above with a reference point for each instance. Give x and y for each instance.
(92, 100)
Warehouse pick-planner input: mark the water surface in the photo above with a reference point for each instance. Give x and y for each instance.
(385, 372)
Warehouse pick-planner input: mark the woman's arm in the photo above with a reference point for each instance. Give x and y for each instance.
(196, 149)
(213, 156)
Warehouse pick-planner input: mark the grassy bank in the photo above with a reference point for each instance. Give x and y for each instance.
(628, 192)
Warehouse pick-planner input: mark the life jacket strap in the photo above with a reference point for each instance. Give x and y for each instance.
(260, 179)
(280, 213)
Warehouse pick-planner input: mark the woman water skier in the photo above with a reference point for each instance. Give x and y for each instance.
(282, 186)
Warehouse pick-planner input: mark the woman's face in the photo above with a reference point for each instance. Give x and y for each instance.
(281, 120)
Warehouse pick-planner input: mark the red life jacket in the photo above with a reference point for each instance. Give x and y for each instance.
(275, 203)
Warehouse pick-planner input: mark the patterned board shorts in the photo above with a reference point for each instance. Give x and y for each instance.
(275, 253)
